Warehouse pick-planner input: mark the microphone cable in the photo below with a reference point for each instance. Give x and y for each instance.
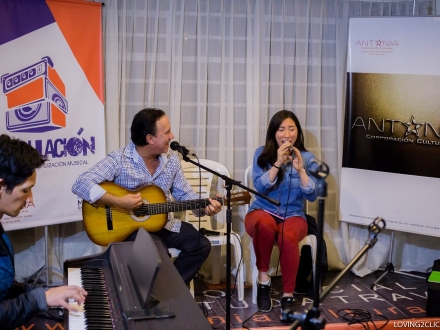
(243, 324)
(199, 282)
(284, 220)
(362, 317)
(53, 313)
(240, 262)
(205, 311)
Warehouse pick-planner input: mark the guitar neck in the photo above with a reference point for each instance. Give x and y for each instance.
(159, 208)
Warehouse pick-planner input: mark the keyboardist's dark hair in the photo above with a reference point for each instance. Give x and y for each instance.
(144, 123)
(18, 160)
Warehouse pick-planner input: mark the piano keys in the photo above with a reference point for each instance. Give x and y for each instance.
(114, 300)
(101, 308)
(95, 312)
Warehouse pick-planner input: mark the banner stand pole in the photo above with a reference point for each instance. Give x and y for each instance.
(46, 253)
(45, 268)
(389, 268)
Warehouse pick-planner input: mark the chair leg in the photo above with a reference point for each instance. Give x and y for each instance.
(215, 270)
(239, 266)
(174, 253)
(191, 287)
(254, 274)
(311, 241)
(313, 248)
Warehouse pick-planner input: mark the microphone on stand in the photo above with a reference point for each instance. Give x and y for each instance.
(318, 169)
(183, 150)
(207, 232)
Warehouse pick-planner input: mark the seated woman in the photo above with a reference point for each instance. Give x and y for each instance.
(280, 172)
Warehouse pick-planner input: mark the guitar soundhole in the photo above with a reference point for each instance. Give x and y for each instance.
(138, 213)
(141, 213)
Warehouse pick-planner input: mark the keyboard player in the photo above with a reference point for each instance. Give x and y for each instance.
(119, 298)
(19, 302)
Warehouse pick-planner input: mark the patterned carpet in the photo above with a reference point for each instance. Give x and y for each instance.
(397, 297)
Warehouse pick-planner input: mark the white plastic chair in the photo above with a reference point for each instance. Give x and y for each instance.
(174, 254)
(308, 240)
(209, 186)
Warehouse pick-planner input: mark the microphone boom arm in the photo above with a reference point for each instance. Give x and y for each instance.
(227, 179)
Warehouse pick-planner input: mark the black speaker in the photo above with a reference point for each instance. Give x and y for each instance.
(433, 301)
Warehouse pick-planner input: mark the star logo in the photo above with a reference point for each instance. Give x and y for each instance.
(378, 42)
(412, 127)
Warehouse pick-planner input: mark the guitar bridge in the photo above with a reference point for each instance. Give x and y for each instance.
(108, 216)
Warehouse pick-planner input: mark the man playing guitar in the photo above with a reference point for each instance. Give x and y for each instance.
(148, 160)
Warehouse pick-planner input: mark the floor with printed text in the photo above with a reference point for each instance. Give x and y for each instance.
(397, 297)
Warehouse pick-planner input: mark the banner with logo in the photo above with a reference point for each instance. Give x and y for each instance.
(391, 158)
(52, 98)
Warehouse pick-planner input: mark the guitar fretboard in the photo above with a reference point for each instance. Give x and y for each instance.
(160, 208)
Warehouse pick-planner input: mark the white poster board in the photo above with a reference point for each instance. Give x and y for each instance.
(391, 161)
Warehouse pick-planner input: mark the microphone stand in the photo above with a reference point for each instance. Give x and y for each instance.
(228, 186)
(312, 319)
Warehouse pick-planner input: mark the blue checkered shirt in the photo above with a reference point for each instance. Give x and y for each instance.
(126, 168)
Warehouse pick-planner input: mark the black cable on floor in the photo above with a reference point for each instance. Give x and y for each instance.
(243, 324)
(362, 317)
(53, 313)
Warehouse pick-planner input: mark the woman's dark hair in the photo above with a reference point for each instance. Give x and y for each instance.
(269, 153)
(144, 123)
(18, 160)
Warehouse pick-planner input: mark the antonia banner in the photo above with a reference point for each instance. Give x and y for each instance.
(52, 98)
(391, 159)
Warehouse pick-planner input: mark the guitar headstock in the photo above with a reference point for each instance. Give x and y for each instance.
(238, 197)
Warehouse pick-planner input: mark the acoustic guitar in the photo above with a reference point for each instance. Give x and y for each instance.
(106, 224)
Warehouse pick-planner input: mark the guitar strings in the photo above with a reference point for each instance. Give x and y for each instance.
(172, 206)
(158, 208)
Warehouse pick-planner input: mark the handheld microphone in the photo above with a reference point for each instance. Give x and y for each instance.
(183, 150)
(291, 152)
